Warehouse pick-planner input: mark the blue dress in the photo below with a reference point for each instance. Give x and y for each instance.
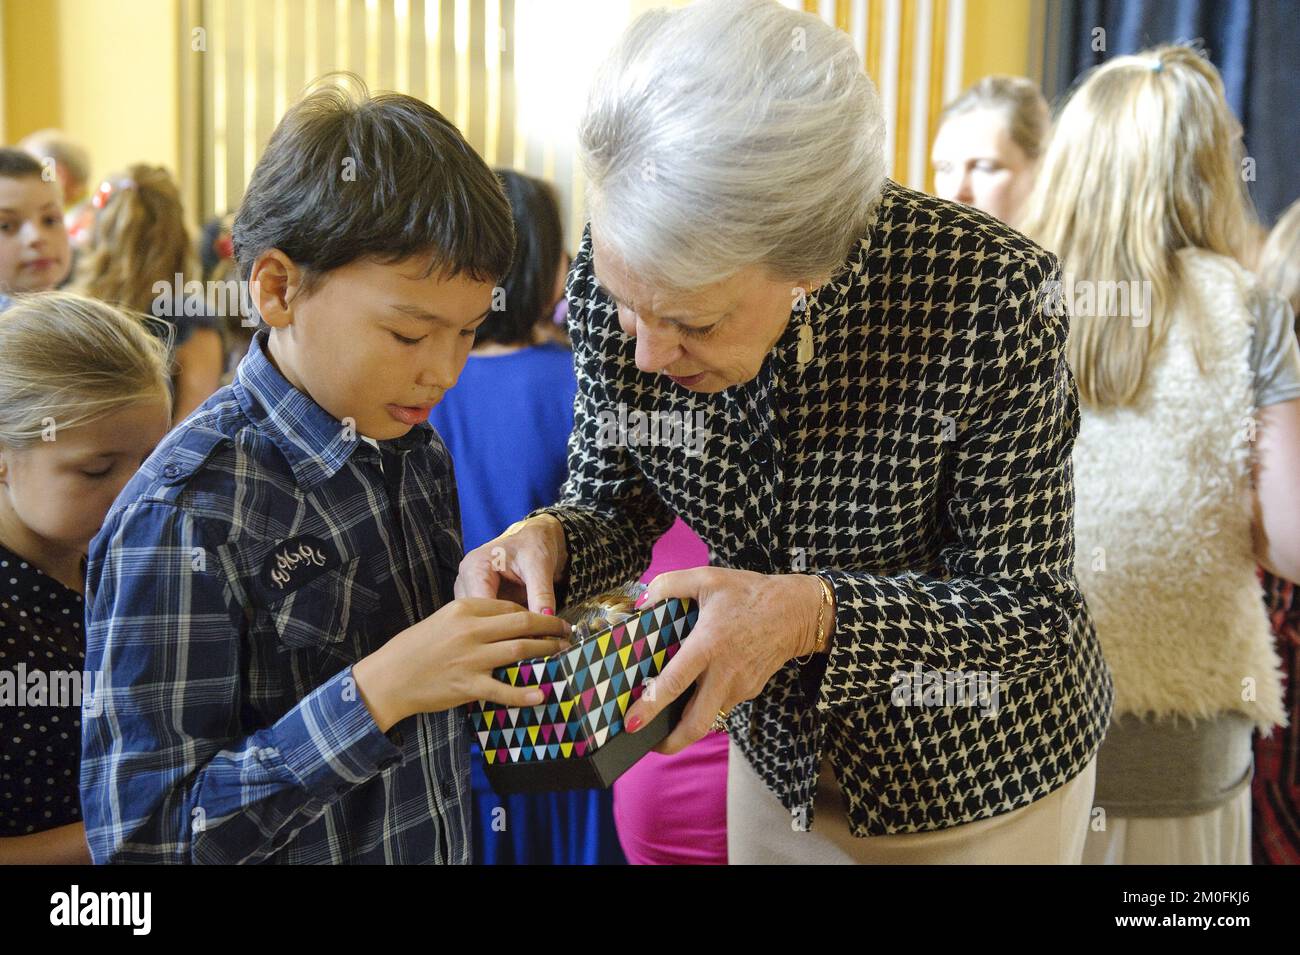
(507, 425)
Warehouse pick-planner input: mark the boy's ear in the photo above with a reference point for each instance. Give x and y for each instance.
(274, 282)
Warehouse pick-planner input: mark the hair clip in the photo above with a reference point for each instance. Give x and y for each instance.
(1157, 66)
(106, 190)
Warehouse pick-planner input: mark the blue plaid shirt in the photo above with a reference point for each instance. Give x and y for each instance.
(260, 552)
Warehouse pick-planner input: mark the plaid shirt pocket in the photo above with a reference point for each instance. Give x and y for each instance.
(324, 611)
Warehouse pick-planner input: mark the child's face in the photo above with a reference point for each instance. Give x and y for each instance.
(61, 490)
(977, 163)
(379, 343)
(34, 253)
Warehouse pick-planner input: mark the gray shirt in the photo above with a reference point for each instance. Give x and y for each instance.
(1274, 351)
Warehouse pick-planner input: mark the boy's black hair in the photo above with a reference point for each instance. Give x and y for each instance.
(347, 176)
(18, 164)
(539, 244)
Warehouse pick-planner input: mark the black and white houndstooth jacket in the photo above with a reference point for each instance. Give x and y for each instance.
(921, 463)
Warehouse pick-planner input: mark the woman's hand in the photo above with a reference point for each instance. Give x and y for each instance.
(521, 565)
(749, 626)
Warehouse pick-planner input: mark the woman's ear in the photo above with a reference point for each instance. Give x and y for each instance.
(807, 286)
(817, 282)
(273, 283)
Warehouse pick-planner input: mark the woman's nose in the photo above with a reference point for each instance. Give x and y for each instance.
(655, 350)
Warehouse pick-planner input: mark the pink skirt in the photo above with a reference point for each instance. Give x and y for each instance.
(672, 810)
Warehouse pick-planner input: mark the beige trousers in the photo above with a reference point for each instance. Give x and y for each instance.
(1050, 831)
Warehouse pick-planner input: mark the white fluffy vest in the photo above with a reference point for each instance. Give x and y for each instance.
(1163, 522)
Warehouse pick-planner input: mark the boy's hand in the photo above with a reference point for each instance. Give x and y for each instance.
(447, 659)
(522, 564)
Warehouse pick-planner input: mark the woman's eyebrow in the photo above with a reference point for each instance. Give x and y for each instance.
(676, 319)
(610, 292)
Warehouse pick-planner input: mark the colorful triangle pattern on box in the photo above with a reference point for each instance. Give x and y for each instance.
(588, 688)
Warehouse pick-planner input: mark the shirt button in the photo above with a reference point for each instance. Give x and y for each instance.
(397, 738)
(170, 470)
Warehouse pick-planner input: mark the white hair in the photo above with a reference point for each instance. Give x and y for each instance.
(732, 133)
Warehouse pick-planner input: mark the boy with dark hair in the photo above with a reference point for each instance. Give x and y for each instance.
(269, 601)
(34, 252)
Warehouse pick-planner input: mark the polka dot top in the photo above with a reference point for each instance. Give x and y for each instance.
(40, 717)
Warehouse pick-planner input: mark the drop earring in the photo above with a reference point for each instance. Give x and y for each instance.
(805, 351)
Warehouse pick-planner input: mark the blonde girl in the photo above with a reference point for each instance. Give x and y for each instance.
(139, 240)
(1188, 450)
(84, 398)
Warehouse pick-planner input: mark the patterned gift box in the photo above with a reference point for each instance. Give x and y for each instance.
(574, 738)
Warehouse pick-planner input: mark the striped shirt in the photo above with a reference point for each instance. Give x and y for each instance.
(258, 554)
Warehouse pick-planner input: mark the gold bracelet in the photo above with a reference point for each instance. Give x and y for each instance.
(827, 596)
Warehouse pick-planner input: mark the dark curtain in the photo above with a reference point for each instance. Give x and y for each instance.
(1253, 43)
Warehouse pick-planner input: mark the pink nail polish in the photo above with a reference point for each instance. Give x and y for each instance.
(634, 724)
(639, 601)
(548, 611)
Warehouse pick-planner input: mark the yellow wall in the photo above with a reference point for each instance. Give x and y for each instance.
(997, 39)
(31, 53)
(921, 53)
(105, 71)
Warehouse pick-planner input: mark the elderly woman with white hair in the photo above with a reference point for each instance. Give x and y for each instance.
(878, 421)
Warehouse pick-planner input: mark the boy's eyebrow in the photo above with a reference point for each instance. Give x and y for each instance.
(414, 311)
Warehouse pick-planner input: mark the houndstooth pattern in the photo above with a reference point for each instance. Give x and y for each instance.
(921, 463)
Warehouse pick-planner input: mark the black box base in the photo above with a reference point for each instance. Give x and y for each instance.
(595, 771)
